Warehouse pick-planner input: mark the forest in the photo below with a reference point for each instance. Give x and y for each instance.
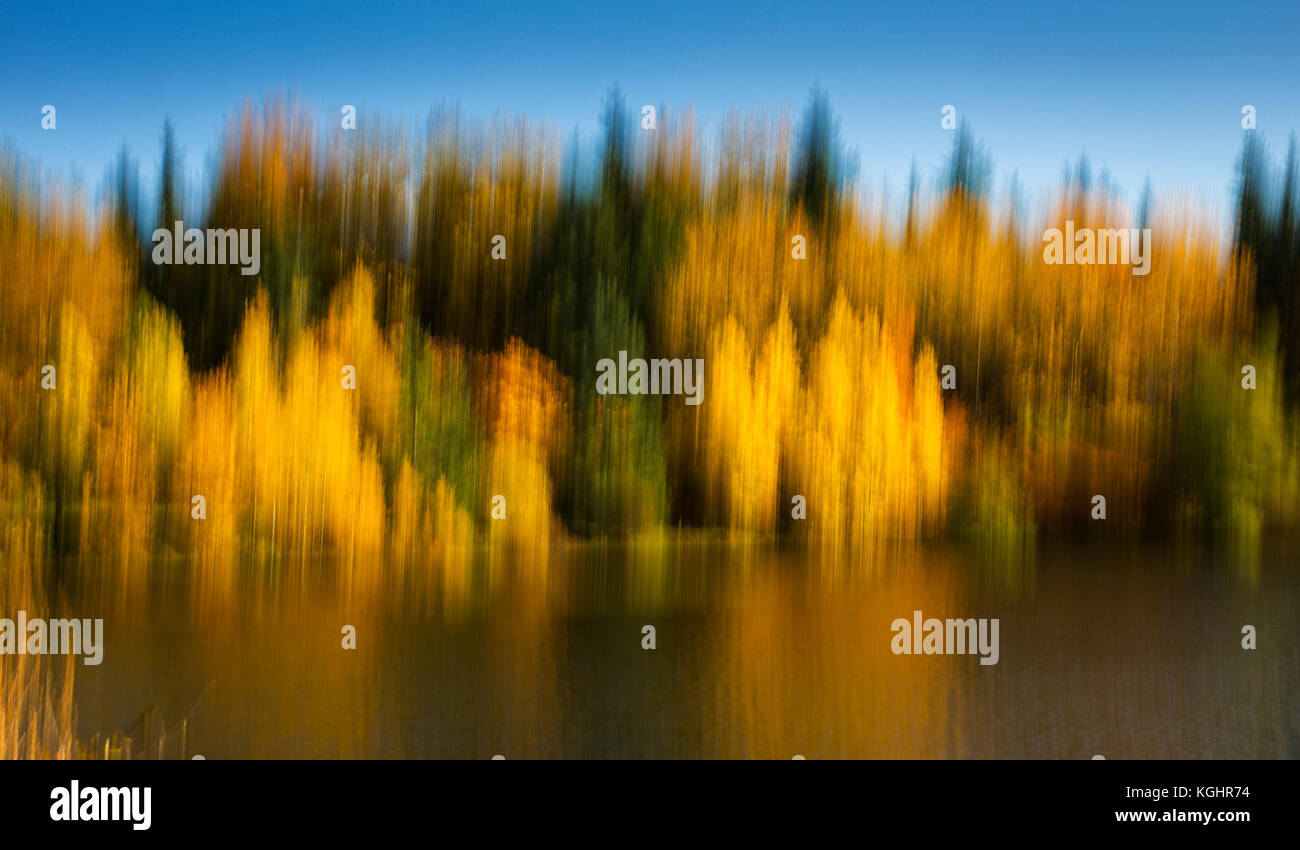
(475, 376)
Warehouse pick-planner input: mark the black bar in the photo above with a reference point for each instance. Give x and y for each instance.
(626, 800)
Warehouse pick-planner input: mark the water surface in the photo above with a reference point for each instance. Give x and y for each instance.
(760, 654)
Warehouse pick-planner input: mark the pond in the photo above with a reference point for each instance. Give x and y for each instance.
(757, 653)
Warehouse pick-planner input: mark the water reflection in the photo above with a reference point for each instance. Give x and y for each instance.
(760, 654)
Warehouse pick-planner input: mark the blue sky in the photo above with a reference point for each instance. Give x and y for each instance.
(1144, 89)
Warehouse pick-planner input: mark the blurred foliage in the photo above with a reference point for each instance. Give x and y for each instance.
(475, 372)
